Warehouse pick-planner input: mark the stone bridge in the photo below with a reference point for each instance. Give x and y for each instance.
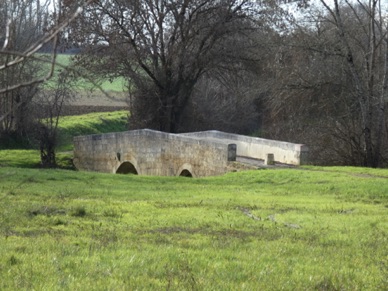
(198, 154)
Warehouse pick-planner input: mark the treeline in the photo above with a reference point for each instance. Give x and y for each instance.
(31, 96)
(318, 76)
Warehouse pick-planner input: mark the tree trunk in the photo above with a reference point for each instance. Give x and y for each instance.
(47, 148)
(381, 106)
(361, 91)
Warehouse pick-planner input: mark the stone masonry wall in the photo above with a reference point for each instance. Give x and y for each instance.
(152, 153)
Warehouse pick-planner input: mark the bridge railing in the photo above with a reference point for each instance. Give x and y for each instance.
(259, 148)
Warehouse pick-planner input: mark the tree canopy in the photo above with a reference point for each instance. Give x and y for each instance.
(164, 47)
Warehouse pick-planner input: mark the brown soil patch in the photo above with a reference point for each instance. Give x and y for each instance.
(115, 99)
(90, 102)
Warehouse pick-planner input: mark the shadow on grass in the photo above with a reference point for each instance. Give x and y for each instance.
(31, 159)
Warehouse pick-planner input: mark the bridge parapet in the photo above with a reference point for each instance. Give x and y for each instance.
(259, 148)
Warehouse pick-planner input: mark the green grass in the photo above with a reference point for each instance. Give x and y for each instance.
(115, 85)
(92, 123)
(29, 158)
(19, 158)
(315, 229)
(69, 127)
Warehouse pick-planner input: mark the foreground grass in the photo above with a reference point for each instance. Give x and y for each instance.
(308, 229)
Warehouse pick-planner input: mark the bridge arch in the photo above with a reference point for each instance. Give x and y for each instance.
(186, 173)
(186, 170)
(127, 167)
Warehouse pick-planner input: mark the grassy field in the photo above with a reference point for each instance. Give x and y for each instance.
(310, 228)
(114, 85)
(92, 123)
(300, 229)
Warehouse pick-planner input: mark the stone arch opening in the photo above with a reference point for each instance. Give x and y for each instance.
(126, 168)
(186, 170)
(186, 173)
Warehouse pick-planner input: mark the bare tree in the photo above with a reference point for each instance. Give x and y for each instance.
(163, 48)
(48, 106)
(332, 87)
(366, 59)
(26, 27)
(22, 24)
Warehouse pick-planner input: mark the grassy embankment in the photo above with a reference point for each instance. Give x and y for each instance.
(299, 229)
(69, 126)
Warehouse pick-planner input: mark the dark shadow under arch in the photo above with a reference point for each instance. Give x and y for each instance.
(127, 168)
(186, 173)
